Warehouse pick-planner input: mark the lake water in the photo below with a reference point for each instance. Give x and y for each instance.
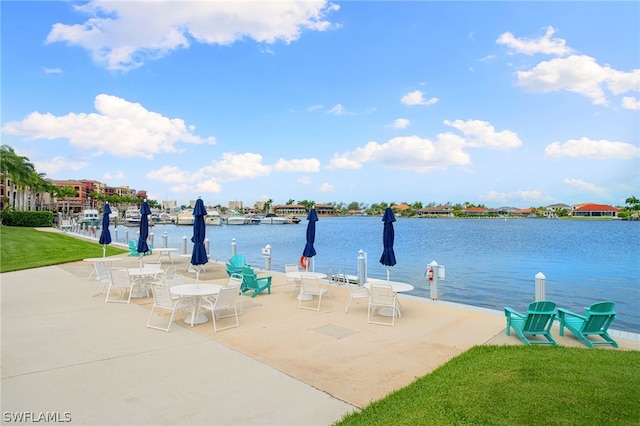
(490, 263)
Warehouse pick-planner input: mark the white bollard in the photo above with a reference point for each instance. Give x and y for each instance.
(233, 247)
(206, 246)
(362, 268)
(164, 239)
(540, 282)
(266, 252)
(184, 244)
(433, 279)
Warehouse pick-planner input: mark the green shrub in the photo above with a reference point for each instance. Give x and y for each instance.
(27, 218)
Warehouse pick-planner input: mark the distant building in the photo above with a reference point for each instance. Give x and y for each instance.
(594, 210)
(439, 211)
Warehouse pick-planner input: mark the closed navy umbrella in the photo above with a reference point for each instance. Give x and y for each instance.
(143, 247)
(388, 257)
(105, 235)
(199, 254)
(309, 250)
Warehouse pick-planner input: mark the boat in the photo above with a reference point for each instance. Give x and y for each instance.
(213, 218)
(292, 219)
(115, 215)
(253, 219)
(273, 219)
(89, 217)
(185, 217)
(237, 219)
(132, 216)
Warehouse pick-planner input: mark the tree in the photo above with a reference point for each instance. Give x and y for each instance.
(17, 173)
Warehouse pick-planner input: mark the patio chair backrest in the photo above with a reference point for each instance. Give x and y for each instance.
(161, 294)
(291, 267)
(382, 295)
(226, 298)
(598, 317)
(120, 277)
(235, 280)
(540, 315)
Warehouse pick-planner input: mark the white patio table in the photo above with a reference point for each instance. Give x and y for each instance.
(106, 260)
(195, 292)
(142, 274)
(166, 251)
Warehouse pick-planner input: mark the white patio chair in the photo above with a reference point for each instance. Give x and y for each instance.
(121, 282)
(311, 286)
(355, 292)
(382, 296)
(224, 301)
(292, 267)
(163, 300)
(102, 278)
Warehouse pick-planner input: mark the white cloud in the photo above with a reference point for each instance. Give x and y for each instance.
(117, 176)
(107, 33)
(400, 123)
(630, 102)
(326, 187)
(298, 165)
(521, 196)
(422, 155)
(342, 161)
(482, 134)
(338, 109)
(59, 163)
(578, 74)
(315, 107)
(120, 128)
(236, 166)
(586, 186)
(587, 148)
(416, 98)
(544, 44)
(52, 70)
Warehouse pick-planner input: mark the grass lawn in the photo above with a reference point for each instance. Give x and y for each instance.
(517, 385)
(25, 248)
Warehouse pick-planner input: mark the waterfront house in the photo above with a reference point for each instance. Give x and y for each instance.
(594, 210)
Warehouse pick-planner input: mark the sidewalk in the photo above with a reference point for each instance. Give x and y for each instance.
(64, 351)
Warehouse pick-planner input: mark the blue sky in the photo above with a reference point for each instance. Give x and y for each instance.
(502, 103)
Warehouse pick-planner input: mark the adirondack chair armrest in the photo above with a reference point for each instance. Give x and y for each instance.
(564, 312)
(509, 311)
(263, 278)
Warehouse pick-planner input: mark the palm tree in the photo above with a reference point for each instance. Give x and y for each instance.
(17, 173)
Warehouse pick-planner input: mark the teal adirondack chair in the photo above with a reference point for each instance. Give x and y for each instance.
(133, 248)
(538, 320)
(252, 283)
(596, 321)
(235, 264)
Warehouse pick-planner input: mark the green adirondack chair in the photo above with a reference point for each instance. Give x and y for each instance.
(235, 264)
(596, 321)
(252, 283)
(537, 321)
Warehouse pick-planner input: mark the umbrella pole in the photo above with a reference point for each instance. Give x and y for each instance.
(198, 276)
(104, 250)
(141, 261)
(388, 273)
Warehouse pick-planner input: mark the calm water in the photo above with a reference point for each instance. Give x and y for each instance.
(489, 262)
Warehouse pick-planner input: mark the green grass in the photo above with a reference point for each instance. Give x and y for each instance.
(517, 385)
(25, 248)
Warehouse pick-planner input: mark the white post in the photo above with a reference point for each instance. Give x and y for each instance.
(164, 239)
(184, 244)
(434, 281)
(206, 246)
(362, 269)
(266, 252)
(540, 281)
(233, 247)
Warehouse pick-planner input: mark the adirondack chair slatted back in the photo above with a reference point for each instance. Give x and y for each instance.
(539, 316)
(598, 317)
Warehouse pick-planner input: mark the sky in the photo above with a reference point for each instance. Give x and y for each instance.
(498, 103)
